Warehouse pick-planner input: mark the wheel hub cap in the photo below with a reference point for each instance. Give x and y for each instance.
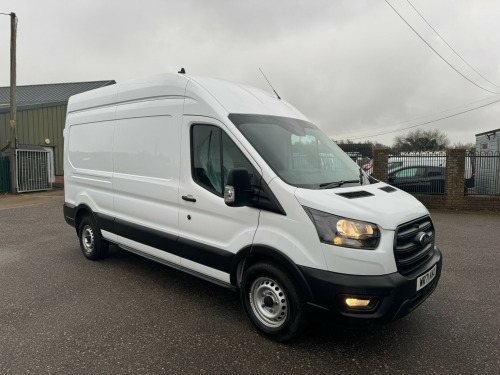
(269, 302)
(88, 239)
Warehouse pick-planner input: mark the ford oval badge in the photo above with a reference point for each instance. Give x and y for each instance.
(424, 239)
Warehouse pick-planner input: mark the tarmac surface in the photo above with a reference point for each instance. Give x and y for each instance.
(63, 314)
(30, 199)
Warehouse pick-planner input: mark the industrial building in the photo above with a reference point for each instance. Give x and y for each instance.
(41, 115)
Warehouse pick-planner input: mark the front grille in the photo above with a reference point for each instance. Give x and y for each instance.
(412, 247)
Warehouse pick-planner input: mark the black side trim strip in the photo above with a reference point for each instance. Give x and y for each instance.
(200, 253)
(146, 236)
(105, 222)
(69, 211)
(178, 267)
(207, 255)
(204, 254)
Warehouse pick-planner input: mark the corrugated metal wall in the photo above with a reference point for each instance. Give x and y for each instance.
(36, 125)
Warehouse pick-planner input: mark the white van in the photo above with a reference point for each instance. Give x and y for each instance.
(237, 187)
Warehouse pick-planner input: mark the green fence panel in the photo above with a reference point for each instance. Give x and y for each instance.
(4, 174)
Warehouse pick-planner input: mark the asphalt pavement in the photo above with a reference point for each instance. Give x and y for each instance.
(63, 314)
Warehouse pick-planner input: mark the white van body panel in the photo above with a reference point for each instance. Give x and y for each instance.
(387, 210)
(130, 164)
(237, 98)
(362, 262)
(161, 86)
(208, 221)
(146, 163)
(88, 160)
(85, 101)
(297, 234)
(149, 172)
(293, 234)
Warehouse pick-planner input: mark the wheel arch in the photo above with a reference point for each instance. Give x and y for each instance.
(82, 210)
(259, 253)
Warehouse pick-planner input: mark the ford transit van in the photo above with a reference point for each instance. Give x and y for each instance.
(236, 186)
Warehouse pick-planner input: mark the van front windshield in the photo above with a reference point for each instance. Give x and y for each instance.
(299, 153)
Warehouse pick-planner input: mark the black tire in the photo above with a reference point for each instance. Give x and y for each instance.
(272, 302)
(91, 242)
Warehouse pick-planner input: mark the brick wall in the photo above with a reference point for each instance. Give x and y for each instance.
(380, 160)
(454, 198)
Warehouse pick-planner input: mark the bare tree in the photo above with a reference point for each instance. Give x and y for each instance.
(421, 140)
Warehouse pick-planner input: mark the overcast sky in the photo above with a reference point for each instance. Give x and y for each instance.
(352, 67)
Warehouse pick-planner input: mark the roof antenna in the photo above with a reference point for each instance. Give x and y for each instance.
(269, 83)
(182, 71)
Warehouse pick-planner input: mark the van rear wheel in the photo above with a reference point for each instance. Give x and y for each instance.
(91, 242)
(272, 302)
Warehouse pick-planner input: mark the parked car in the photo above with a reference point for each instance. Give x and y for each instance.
(419, 179)
(395, 162)
(368, 168)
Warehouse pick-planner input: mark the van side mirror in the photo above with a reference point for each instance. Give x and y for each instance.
(238, 190)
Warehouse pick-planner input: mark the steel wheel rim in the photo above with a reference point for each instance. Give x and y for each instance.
(88, 239)
(269, 302)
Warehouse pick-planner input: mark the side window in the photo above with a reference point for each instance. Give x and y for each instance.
(232, 157)
(420, 172)
(408, 172)
(206, 158)
(213, 155)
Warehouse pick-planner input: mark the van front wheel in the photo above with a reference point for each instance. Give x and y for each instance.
(91, 242)
(272, 302)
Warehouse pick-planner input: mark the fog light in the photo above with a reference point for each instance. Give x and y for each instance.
(354, 302)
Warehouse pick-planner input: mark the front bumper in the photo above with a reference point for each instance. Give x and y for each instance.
(395, 295)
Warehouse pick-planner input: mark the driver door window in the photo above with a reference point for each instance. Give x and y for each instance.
(214, 154)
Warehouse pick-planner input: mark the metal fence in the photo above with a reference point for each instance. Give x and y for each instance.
(486, 173)
(32, 170)
(4, 174)
(361, 153)
(419, 173)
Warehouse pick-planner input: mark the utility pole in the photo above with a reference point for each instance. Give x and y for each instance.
(13, 104)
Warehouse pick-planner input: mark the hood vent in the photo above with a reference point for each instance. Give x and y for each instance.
(388, 189)
(355, 194)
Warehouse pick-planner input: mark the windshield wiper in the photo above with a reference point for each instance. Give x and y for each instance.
(331, 185)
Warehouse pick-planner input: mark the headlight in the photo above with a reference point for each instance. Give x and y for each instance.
(340, 231)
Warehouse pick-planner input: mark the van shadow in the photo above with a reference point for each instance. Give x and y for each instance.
(224, 306)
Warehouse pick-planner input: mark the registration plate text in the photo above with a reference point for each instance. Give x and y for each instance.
(426, 278)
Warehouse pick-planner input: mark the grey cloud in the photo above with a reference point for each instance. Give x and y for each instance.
(350, 66)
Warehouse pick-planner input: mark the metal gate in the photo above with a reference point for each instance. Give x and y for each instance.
(32, 169)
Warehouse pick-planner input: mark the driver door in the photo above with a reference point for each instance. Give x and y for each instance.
(210, 232)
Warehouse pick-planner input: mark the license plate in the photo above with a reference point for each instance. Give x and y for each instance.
(426, 278)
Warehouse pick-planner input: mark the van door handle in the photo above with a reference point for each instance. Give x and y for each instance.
(189, 198)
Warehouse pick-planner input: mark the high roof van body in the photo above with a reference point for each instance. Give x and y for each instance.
(236, 186)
